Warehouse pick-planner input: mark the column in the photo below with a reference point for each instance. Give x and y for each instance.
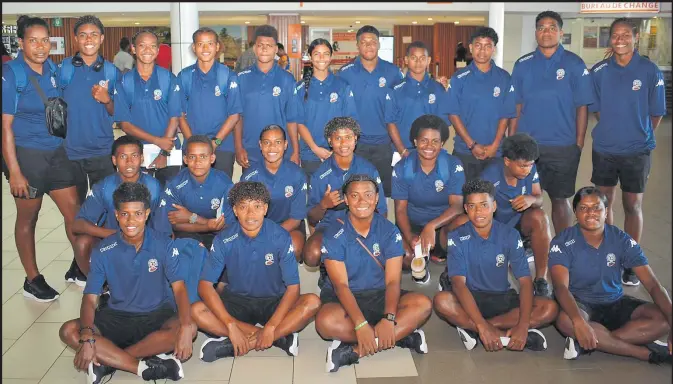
(528, 43)
(282, 21)
(184, 21)
(496, 20)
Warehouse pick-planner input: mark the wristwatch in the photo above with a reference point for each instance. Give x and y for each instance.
(164, 153)
(390, 317)
(217, 141)
(193, 218)
(474, 143)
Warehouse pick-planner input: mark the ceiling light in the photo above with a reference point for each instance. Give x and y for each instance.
(350, 30)
(414, 22)
(429, 18)
(357, 22)
(247, 22)
(136, 23)
(303, 22)
(456, 22)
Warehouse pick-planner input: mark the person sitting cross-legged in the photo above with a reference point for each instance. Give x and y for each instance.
(585, 262)
(263, 283)
(480, 303)
(138, 326)
(364, 308)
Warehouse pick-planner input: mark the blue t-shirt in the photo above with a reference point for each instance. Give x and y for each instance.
(208, 106)
(138, 281)
(595, 274)
(626, 97)
(326, 100)
(193, 256)
(30, 124)
(263, 266)
(481, 100)
(427, 195)
(89, 123)
(495, 173)
(342, 243)
(287, 187)
(372, 96)
(150, 110)
(329, 173)
(550, 91)
(484, 262)
(98, 208)
(412, 99)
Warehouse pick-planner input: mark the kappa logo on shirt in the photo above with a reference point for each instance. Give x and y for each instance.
(218, 91)
(175, 252)
(212, 247)
(496, 91)
(90, 193)
(555, 249)
(291, 249)
(519, 244)
(535, 176)
(162, 203)
(333, 97)
(378, 180)
(276, 91)
(382, 82)
(152, 265)
(304, 187)
(511, 88)
(268, 259)
(636, 85)
(323, 250)
(233, 85)
(586, 72)
(451, 243)
(398, 238)
(394, 174)
(214, 203)
(289, 191)
(439, 185)
(432, 98)
(633, 243)
(660, 83)
(351, 94)
(157, 94)
(377, 250)
(560, 74)
(610, 258)
(109, 247)
(387, 97)
(570, 242)
(500, 260)
(459, 168)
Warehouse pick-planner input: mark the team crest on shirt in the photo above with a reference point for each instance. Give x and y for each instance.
(276, 91)
(636, 85)
(152, 265)
(268, 259)
(432, 98)
(611, 259)
(289, 191)
(496, 91)
(500, 260)
(218, 91)
(215, 203)
(560, 74)
(333, 97)
(53, 82)
(439, 185)
(101, 83)
(382, 81)
(377, 249)
(157, 94)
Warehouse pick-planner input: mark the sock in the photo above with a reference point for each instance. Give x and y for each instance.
(141, 368)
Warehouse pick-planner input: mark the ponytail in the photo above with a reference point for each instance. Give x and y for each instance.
(307, 81)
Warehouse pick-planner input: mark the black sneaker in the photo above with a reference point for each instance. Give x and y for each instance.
(39, 290)
(630, 278)
(470, 338)
(573, 350)
(536, 341)
(96, 373)
(414, 341)
(659, 353)
(338, 355)
(444, 282)
(162, 367)
(425, 280)
(75, 275)
(323, 276)
(289, 344)
(541, 288)
(214, 349)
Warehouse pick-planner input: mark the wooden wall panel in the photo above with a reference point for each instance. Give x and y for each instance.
(281, 23)
(422, 33)
(464, 33)
(444, 48)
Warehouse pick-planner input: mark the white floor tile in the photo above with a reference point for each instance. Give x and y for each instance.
(18, 314)
(6, 344)
(66, 308)
(12, 281)
(46, 253)
(396, 362)
(34, 353)
(262, 370)
(40, 233)
(195, 369)
(57, 235)
(63, 372)
(19, 381)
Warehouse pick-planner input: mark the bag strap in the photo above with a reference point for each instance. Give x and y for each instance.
(20, 77)
(39, 90)
(110, 73)
(366, 249)
(66, 72)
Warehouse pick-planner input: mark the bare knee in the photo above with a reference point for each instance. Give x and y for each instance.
(564, 324)
(311, 252)
(69, 331)
(538, 217)
(198, 309)
(548, 310)
(633, 206)
(298, 240)
(310, 304)
(421, 304)
(329, 321)
(445, 304)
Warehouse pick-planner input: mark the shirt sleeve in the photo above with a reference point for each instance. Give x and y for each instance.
(508, 106)
(290, 110)
(657, 94)
(536, 176)
(348, 103)
(517, 81)
(8, 91)
(298, 208)
(400, 188)
(633, 255)
(559, 254)
(332, 249)
(443, 104)
(583, 93)
(234, 95)
(96, 277)
(172, 268)
(457, 176)
(289, 269)
(456, 264)
(111, 86)
(215, 262)
(94, 210)
(393, 247)
(298, 103)
(454, 95)
(596, 89)
(174, 98)
(517, 256)
(382, 207)
(315, 191)
(184, 103)
(160, 221)
(391, 110)
(122, 108)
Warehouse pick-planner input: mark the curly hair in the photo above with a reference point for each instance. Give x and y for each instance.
(358, 177)
(486, 32)
(131, 193)
(266, 31)
(429, 122)
(338, 123)
(520, 146)
(248, 190)
(89, 19)
(478, 186)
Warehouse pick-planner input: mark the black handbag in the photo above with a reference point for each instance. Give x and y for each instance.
(56, 112)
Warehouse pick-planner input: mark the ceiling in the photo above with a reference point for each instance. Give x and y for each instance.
(314, 20)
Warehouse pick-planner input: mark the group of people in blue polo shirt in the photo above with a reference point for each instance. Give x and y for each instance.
(164, 250)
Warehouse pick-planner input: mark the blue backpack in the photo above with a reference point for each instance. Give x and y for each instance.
(16, 66)
(185, 78)
(67, 71)
(409, 166)
(128, 83)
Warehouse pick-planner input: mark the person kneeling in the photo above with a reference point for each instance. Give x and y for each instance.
(263, 283)
(586, 262)
(481, 303)
(138, 326)
(364, 310)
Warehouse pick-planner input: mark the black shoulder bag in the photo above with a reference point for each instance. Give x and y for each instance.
(56, 111)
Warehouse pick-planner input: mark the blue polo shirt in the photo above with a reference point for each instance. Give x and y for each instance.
(89, 124)
(495, 173)
(372, 96)
(263, 266)
(484, 262)
(139, 281)
(595, 274)
(151, 109)
(193, 256)
(427, 195)
(267, 98)
(98, 208)
(550, 91)
(481, 99)
(209, 106)
(287, 187)
(412, 99)
(204, 199)
(326, 100)
(329, 173)
(626, 97)
(342, 243)
(29, 125)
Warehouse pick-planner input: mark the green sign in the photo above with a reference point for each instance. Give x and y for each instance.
(58, 22)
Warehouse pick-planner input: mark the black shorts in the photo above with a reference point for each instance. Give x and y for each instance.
(88, 172)
(492, 304)
(381, 156)
(557, 167)
(250, 310)
(416, 229)
(125, 329)
(613, 315)
(205, 238)
(631, 171)
(472, 166)
(224, 161)
(164, 174)
(45, 170)
(372, 302)
(310, 167)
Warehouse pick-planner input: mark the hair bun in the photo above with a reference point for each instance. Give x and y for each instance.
(21, 20)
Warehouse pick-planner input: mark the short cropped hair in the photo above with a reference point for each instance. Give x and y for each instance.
(266, 31)
(587, 191)
(359, 177)
(126, 140)
(551, 15)
(205, 30)
(486, 32)
(89, 19)
(478, 186)
(202, 139)
(367, 29)
(142, 32)
(417, 44)
(131, 193)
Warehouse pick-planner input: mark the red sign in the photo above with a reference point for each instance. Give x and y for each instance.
(343, 36)
(605, 7)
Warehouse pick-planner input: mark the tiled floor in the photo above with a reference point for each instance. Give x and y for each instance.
(32, 352)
